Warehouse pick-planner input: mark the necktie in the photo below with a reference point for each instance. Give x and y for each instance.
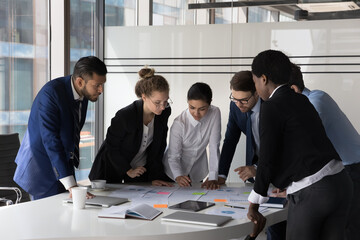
(249, 143)
(76, 160)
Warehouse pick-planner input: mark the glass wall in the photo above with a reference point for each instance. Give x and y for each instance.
(82, 35)
(23, 60)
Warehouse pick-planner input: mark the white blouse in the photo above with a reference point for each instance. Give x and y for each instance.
(186, 154)
(140, 158)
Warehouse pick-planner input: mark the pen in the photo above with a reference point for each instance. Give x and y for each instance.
(234, 206)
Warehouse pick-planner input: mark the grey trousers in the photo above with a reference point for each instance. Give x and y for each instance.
(320, 211)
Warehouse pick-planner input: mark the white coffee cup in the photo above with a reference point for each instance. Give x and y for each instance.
(79, 197)
(98, 184)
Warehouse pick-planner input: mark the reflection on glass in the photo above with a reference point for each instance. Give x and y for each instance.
(23, 60)
(82, 16)
(120, 13)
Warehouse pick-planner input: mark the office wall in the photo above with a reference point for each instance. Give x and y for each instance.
(327, 51)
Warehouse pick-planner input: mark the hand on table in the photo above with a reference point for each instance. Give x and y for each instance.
(183, 181)
(212, 184)
(137, 172)
(278, 193)
(221, 180)
(161, 183)
(246, 172)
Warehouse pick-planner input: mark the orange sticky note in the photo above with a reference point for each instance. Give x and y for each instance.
(220, 200)
(160, 205)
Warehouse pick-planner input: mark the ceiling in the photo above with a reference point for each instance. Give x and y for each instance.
(300, 9)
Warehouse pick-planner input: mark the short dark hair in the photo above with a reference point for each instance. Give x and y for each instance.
(242, 81)
(296, 77)
(275, 65)
(86, 66)
(200, 91)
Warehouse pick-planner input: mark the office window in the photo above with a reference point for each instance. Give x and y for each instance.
(258, 14)
(23, 60)
(82, 33)
(120, 12)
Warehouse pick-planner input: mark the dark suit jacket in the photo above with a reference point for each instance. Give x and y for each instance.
(44, 154)
(293, 142)
(235, 126)
(122, 143)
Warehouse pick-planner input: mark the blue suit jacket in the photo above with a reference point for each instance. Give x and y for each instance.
(44, 155)
(236, 124)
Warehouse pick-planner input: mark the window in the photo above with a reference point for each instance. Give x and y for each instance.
(82, 34)
(23, 60)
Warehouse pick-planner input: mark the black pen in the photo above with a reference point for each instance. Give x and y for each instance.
(234, 206)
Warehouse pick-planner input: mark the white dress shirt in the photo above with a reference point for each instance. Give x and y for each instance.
(140, 158)
(189, 138)
(69, 181)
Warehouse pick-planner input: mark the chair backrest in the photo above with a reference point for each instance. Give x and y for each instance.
(9, 146)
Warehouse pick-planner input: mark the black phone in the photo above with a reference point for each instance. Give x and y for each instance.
(192, 205)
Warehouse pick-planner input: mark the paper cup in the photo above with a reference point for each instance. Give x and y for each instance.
(79, 197)
(98, 184)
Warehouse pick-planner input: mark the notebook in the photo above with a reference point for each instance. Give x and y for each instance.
(196, 218)
(142, 211)
(275, 202)
(102, 201)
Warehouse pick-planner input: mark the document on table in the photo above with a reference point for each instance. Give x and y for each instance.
(131, 192)
(235, 213)
(183, 194)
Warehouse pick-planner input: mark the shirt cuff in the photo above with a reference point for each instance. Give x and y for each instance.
(257, 198)
(68, 182)
(213, 176)
(223, 176)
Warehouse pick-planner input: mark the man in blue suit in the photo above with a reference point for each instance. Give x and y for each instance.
(50, 148)
(243, 118)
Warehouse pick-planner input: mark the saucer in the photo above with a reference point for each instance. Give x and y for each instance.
(99, 189)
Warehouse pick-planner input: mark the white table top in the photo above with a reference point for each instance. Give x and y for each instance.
(50, 218)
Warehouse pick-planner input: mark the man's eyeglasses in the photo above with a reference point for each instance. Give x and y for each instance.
(242, 101)
(164, 105)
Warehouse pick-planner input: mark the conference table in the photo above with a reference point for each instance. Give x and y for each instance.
(51, 218)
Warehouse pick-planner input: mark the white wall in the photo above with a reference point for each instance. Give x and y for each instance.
(177, 51)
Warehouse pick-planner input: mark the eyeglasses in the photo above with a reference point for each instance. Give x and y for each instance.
(242, 101)
(164, 105)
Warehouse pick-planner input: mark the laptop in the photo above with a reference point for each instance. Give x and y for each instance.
(197, 218)
(102, 201)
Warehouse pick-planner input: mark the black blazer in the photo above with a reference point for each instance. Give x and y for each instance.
(122, 143)
(293, 142)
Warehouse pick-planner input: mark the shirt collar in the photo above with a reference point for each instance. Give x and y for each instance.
(75, 94)
(256, 108)
(276, 89)
(306, 92)
(191, 118)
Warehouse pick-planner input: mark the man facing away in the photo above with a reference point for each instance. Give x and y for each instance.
(50, 148)
(296, 155)
(343, 136)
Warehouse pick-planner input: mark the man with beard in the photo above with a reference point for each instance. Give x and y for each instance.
(50, 148)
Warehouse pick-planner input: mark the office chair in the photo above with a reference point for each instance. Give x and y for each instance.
(10, 192)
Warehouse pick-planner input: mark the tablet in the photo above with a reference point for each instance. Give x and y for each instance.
(191, 205)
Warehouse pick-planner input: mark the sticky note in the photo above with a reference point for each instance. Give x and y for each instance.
(164, 193)
(160, 205)
(220, 200)
(198, 193)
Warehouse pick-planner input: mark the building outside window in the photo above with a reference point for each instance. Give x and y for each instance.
(23, 60)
